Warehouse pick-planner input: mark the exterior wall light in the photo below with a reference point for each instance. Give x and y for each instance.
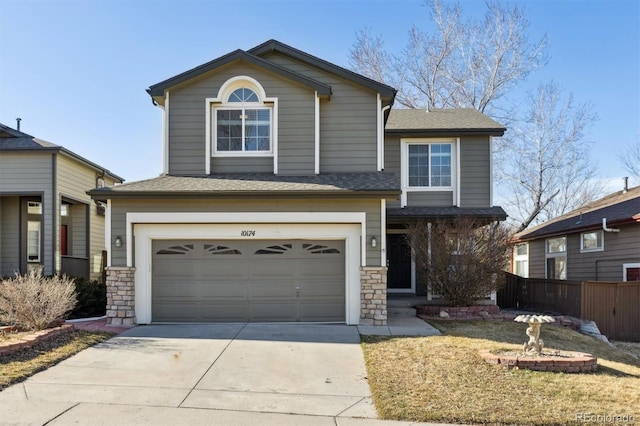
(118, 241)
(374, 242)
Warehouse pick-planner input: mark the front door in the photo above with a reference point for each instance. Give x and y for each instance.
(399, 263)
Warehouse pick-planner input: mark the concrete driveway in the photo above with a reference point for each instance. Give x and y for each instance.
(203, 374)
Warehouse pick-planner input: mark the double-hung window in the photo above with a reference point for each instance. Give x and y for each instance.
(242, 124)
(430, 165)
(556, 257)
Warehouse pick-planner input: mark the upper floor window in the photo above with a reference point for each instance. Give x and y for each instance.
(592, 241)
(556, 258)
(430, 165)
(242, 119)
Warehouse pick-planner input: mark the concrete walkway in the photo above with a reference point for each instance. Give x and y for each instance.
(204, 374)
(400, 326)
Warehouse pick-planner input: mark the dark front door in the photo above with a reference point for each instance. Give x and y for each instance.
(399, 257)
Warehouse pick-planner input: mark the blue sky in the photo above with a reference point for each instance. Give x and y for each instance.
(76, 71)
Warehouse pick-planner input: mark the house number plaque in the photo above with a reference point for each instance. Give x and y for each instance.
(247, 233)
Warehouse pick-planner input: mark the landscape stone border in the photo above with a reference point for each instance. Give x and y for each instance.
(29, 340)
(564, 362)
(484, 312)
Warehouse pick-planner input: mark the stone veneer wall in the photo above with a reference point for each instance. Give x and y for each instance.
(121, 295)
(373, 295)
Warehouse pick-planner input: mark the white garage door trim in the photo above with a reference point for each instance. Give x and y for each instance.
(146, 232)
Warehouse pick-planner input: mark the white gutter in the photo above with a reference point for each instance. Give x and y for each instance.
(604, 226)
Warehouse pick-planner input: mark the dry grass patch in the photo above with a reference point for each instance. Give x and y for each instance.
(443, 379)
(17, 366)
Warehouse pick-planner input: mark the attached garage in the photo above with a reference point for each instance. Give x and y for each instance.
(218, 280)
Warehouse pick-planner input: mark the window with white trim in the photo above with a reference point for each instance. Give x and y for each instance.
(33, 241)
(242, 122)
(521, 260)
(430, 165)
(556, 258)
(631, 272)
(592, 241)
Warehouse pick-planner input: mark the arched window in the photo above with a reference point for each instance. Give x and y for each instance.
(242, 122)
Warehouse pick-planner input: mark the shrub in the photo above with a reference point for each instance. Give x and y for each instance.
(33, 301)
(92, 299)
(460, 260)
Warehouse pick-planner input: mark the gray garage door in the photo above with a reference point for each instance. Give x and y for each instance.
(248, 281)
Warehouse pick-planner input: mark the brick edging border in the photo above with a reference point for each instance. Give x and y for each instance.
(34, 338)
(578, 362)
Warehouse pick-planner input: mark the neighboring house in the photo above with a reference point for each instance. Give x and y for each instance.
(598, 242)
(286, 188)
(46, 217)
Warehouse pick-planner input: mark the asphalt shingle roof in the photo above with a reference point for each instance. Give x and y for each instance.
(619, 207)
(463, 119)
(446, 212)
(254, 183)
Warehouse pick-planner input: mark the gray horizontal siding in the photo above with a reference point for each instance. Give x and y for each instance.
(370, 207)
(30, 173)
(475, 171)
(187, 123)
(348, 122)
(9, 235)
(392, 162)
(430, 199)
(25, 172)
(242, 164)
(619, 248)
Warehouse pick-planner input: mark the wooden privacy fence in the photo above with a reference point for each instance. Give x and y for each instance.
(560, 296)
(614, 306)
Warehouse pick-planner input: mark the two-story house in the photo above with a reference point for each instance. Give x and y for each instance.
(286, 184)
(47, 220)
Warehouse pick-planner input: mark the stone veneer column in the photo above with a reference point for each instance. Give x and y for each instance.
(373, 295)
(121, 295)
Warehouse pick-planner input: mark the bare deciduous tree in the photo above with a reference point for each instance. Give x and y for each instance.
(548, 171)
(630, 158)
(460, 260)
(470, 64)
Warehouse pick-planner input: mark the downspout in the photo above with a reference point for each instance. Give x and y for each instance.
(604, 226)
(381, 138)
(56, 261)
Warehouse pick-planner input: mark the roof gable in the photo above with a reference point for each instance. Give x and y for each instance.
(618, 208)
(157, 90)
(386, 92)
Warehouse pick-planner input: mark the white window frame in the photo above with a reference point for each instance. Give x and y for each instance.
(521, 258)
(404, 167)
(627, 266)
(33, 226)
(589, 250)
(220, 102)
(554, 255)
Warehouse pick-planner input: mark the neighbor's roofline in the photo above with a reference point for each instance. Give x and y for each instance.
(557, 233)
(63, 150)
